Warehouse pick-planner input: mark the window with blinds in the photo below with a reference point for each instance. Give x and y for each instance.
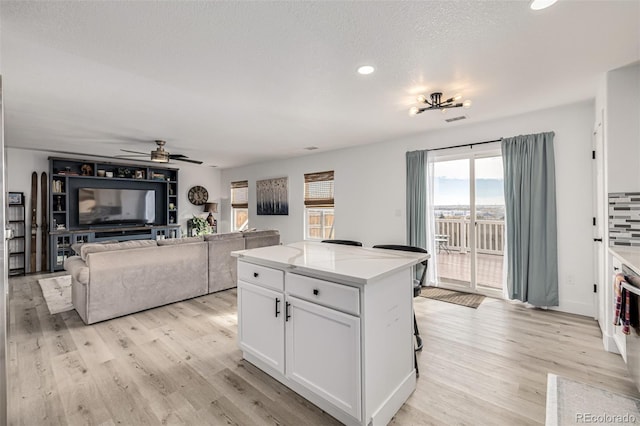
(318, 189)
(319, 203)
(240, 194)
(239, 205)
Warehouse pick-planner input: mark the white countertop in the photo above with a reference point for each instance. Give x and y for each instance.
(630, 256)
(335, 262)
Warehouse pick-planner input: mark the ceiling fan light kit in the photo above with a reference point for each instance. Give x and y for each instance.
(435, 101)
(159, 155)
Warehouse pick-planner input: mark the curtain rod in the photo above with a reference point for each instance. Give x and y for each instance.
(466, 144)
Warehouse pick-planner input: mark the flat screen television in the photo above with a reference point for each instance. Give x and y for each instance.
(102, 206)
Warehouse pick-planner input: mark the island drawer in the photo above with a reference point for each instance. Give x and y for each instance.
(261, 275)
(332, 295)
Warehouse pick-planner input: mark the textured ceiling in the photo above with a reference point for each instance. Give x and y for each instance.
(234, 83)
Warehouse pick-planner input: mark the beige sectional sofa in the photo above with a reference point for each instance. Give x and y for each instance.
(115, 279)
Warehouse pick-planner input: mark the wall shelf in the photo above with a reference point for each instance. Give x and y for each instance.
(16, 223)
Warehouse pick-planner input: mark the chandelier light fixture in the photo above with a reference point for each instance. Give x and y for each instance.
(435, 101)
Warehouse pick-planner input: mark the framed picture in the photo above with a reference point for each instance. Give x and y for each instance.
(15, 198)
(139, 174)
(273, 196)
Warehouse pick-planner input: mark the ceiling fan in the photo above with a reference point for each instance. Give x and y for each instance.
(159, 155)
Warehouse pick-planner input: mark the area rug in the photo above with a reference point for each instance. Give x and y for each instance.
(57, 293)
(449, 296)
(570, 403)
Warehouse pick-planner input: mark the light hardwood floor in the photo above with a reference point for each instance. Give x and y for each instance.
(179, 364)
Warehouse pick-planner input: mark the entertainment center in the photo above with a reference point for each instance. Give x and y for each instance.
(93, 201)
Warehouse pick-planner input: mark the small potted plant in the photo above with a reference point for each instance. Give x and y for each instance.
(199, 225)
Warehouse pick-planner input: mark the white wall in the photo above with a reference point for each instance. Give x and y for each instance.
(622, 129)
(370, 189)
(21, 163)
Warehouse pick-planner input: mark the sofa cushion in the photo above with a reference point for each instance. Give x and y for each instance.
(78, 246)
(77, 268)
(89, 248)
(176, 241)
(255, 239)
(223, 236)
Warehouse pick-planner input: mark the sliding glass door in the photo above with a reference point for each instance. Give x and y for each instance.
(469, 222)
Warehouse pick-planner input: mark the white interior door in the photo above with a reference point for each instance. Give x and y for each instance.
(600, 221)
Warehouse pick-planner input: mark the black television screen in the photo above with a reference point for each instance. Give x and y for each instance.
(101, 206)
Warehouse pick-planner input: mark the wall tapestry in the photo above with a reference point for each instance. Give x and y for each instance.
(273, 196)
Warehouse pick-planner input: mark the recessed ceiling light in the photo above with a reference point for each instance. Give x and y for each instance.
(366, 70)
(541, 4)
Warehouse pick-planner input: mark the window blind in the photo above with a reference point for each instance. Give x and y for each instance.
(240, 194)
(318, 189)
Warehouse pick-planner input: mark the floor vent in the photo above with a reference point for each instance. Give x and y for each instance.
(449, 120)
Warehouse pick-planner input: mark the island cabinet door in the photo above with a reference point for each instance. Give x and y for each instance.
(261, 323)
(323, 353)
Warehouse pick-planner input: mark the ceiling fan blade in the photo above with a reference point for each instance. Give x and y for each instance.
(135, 152)
(187, 160)
(176, 156)
(131, 155)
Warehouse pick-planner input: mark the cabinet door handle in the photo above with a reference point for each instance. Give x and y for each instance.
(597, 240)
(277, 307)
(286, 311)
(255, 275)
(316, 291)
(615, 268)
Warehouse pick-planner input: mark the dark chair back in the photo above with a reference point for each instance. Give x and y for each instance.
(411, 249)
(344, 242)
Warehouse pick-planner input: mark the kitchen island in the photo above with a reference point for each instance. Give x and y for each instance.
(332, 322)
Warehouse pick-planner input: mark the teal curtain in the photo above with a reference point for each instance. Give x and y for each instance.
(530, 197)
(417, 199)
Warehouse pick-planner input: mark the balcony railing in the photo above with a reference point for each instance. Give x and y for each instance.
(489, 235)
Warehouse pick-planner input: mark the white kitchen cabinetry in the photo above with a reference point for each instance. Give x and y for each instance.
(333, 323)
(323, 353)
(261, 324)
(618, 336)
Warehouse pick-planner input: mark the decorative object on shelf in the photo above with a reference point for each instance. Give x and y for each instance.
(212, 208)
(139, 174)
(109, 174)
(86, 170)
(198, 226)
(101, 173)
(15, 198)
(159, 155)
(436, 102)
(172, 206)
(56, 186)
(273, 196)
(157, 176)
(59, 203)
(198, 195)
